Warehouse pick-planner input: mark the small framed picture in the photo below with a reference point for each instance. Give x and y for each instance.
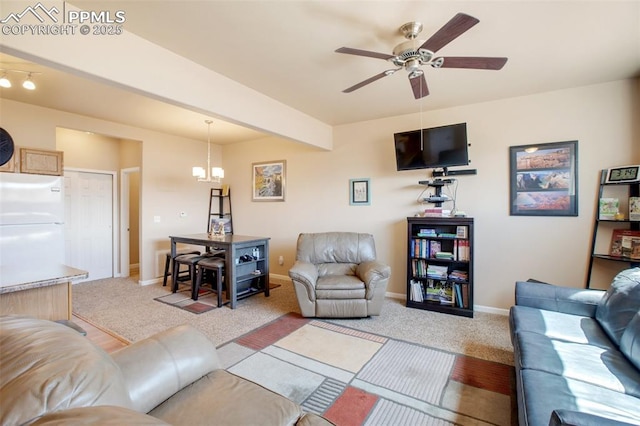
(268, 181)
(360, 192)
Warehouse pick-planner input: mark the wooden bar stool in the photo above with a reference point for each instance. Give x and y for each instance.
(168, 262)
(214, 264)
(190, 261)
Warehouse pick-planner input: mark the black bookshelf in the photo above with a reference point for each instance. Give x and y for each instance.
(440, 264)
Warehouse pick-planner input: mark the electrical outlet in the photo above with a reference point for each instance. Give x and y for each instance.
(156, 219)
(281, 260)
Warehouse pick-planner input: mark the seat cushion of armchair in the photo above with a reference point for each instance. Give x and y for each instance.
(35, 375)
(340, 287)
(218, 399)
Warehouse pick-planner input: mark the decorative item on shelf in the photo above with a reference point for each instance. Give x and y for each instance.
(634, 208)
(608, 208)
(621, 238)
(210, 174)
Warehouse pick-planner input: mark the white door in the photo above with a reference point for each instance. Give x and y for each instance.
(89, 222)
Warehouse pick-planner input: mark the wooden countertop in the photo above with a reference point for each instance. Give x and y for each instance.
(27, 277)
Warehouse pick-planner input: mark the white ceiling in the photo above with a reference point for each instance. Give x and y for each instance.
(285, 49)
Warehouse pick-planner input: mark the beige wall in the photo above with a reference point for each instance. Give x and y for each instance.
(602, 117)
(508, 248)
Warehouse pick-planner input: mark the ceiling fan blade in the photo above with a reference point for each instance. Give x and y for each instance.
(360, 52)
(473, 62)
(449, 32)
(369, 80)
(419, 86)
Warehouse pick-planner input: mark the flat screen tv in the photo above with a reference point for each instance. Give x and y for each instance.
(432, 148)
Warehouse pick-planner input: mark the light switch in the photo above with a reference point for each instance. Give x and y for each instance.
(156, 219)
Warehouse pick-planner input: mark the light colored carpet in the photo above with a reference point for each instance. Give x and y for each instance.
(128, 310)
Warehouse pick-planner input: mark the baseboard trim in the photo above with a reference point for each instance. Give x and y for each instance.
(285, 280)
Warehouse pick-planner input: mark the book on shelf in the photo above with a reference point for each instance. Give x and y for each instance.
(462, 250)
(416, 291)
(459, 275)
(462, 231)
(432, 291)
(634, 208)
(445, 293)
(458, 295)
(465, 295)
(434, 247)
(446, 235)
(608, 208)
(437, 271)
(631, 246)
(433, 212)
(427, 232)
(446, 255)
(623, 243)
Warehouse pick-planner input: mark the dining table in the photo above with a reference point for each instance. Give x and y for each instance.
(246, 262)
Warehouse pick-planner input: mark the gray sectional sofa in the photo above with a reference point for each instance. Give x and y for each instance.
(577, 353)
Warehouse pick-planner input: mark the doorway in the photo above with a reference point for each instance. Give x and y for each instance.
(130, 222)
(89, 222)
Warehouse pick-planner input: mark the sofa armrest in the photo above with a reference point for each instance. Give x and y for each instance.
(306, 273)
(576, 418)
(372, 272)
(556, 298)
(159, 366)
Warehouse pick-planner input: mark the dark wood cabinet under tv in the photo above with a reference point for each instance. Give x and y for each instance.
(440, 264)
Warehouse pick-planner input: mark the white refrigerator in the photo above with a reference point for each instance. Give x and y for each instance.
(31, 219)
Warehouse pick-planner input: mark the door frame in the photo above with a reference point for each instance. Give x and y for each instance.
(114, 213)
(124, 214)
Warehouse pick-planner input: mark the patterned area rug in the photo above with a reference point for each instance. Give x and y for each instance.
(207, 299)
(357, 378)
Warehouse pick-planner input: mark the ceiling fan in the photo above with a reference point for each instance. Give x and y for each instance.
(412, 54)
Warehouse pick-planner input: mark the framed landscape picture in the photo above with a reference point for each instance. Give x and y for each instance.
(268, 181)
(544, 179)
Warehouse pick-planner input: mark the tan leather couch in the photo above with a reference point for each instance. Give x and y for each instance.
(336, 275)
(52, 375)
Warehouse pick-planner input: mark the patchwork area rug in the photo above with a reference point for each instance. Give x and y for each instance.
(207, 299)
(357, 378)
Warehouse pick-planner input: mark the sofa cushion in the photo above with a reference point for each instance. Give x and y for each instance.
(556, 325)
(336, 247)
(620, 303)
(604, 367)
(63, 370)
(630, 341)
(218, 399)
(543, 392)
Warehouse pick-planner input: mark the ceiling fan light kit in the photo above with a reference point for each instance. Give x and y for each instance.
(413, 54)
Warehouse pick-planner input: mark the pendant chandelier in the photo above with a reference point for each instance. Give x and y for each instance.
(211, 174)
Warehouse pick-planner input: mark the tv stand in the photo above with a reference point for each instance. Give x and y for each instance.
(437, 198)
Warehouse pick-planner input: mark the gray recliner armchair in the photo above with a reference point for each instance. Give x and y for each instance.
(336, 275)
